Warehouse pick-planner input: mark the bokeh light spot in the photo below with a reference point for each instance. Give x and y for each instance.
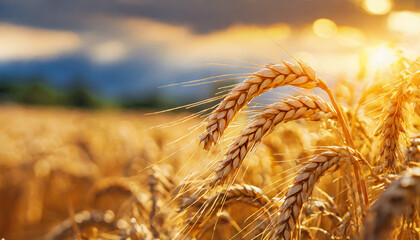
(405, 21)
(324, 28)
(377, 7)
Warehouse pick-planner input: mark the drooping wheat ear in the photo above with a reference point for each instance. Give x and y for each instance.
(392, 130)
(394, 202)
(303, 186)
(292, 108)
(248, 194)
(272, 76)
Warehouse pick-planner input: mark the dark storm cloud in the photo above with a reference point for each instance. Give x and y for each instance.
(200, 15)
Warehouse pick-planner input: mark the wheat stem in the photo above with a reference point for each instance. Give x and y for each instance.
(361, 183)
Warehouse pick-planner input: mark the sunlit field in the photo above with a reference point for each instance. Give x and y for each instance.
(270, 120)
(129, 175)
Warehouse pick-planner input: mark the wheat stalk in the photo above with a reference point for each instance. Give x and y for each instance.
(395, 201)
(392, 130)
(345, 227)
(245, 193)
(303, 186)
(293, 108)
(272, 76)
(153, 182)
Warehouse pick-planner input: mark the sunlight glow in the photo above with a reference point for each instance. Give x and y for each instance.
(405, 21)
(380, 56)
(351, 36)
(377, 7)
(324, 28)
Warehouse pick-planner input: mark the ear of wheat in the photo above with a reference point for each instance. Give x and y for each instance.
(394, 202)
(303, 186)
(272, 76)
(293, 108)
(395, 118)
(245, 193)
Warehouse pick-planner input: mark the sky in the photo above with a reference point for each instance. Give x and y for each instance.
(129, 48)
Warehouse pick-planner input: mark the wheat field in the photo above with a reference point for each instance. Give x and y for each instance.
(330, 161)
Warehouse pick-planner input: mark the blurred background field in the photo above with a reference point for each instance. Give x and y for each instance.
(51, 158)
(77, 77)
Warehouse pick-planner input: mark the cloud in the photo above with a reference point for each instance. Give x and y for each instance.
(180, 48)
(177, 49)
(108, 52)
(180, 45)
(202, 16)
(27, 43)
